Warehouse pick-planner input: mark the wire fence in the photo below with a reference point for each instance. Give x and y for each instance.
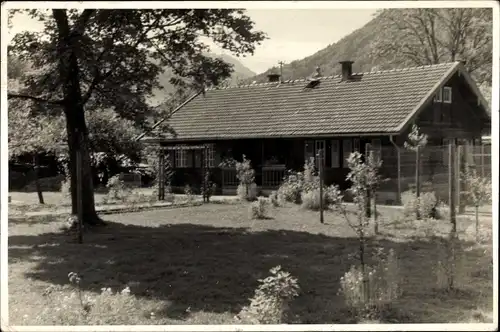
(399, 169)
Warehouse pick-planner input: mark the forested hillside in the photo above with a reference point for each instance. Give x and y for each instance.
(397, 38)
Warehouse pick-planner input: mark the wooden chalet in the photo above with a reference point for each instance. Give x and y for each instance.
(280, 124)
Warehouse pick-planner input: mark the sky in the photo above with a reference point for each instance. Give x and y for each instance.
(293, 33)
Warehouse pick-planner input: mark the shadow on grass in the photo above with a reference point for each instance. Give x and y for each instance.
(215, 269)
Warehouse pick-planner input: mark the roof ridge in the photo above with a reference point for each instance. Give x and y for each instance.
(304, 79)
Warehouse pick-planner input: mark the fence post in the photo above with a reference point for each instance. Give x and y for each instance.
(451, 185)
(417, 178)
(459, 162)
(161, 175)
(368, 211)
(482, 160)
(320, 171)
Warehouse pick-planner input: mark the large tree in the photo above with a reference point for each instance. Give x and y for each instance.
(93, 59)
(424, 36)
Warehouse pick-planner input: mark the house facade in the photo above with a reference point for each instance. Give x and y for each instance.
(280, 124)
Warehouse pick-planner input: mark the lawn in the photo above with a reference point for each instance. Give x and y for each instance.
(200, 265)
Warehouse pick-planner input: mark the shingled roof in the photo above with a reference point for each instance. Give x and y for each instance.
(381, 102)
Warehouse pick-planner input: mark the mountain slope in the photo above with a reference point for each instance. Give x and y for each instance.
(355, 46)
(359, 47)
(240, 72)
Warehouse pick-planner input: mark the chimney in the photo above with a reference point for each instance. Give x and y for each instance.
(273, 77)
(346, 69)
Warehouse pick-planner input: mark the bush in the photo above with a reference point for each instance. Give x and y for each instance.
(382, 282)
(277, 199)
(271, 300)
(426, 204)
(258, 208)
(291, 191)
(52, 183)
(117, 189)
(311, 200)
(188, 191)
(107, 308)
(247, 192)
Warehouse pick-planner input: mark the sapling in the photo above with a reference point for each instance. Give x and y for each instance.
(363, 177)
(415, 142)
(478, 192)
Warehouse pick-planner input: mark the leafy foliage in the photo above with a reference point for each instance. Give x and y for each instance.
(415, 139)
(270, 303)
(423, 36)
(117, 189)
(258, 209)
(478, 193)
(426, 205)
(94, 59)
(383, 286)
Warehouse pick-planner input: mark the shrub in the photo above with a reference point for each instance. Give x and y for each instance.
(107, 308)
(117, 189)
(311, 200)
(189, 193)
(291, 190)
(258, 208)
(382, 283)
(277, 199)
(271, 300)
(247, 192)
(52, 183)
(427, 204)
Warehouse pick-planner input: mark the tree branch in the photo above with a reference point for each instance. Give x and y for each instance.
(41, 100)
(82, 21)
(99, 78)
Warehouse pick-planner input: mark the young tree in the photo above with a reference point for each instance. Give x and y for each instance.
(424, 36)
(416, 141)
(363, 177)
(478, 192)
(92, 59)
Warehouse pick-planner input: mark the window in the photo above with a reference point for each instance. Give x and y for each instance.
(211, 156)
(197, 158)
(447, 95)
(357, 145)
(319, 145)
(189, 158)
(308, 150)
(335, 153)
(376, 148)
(346, 150)
(180, 158)
(438, 97)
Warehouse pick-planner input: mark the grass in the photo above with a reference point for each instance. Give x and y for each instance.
(199, 265)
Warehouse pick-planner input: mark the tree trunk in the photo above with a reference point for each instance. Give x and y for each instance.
(36, 169)
(477, 222)
(87, 196)
(69, 72)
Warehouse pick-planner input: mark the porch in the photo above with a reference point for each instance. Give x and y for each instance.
(271, 159)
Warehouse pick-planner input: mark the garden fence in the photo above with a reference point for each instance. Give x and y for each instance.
(435, 173)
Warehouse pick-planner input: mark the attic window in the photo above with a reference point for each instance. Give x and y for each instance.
(447, 95)
(438, 97)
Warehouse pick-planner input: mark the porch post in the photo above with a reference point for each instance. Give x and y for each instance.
(161, 175)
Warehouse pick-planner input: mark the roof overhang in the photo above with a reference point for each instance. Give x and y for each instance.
(151, 139)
